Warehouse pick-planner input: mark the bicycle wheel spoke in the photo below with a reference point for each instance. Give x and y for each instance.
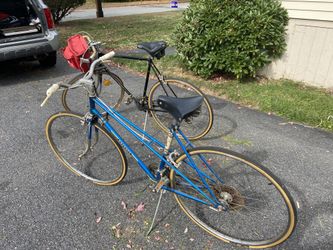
(257, 213)
(194, 127)
(108, 86)
(102, 162)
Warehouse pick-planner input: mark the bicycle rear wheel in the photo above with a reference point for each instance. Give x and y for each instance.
(195, 127)
(261, 211)
(108, 86)
(104, 164)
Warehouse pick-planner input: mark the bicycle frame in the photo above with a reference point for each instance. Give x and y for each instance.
(150, 66)
(149, 142)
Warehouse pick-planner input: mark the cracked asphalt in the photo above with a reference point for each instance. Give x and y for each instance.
(43, 206)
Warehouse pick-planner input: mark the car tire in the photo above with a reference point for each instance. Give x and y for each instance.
(49, 61)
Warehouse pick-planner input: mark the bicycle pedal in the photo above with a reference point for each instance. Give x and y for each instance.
(163, 181)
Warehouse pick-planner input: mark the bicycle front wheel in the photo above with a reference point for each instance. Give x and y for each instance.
(104, 163)
(108, 86)
(195, 127)
(261, 212)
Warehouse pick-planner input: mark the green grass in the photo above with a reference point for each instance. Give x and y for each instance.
(92, 3)
(125, 31)
(285, 98)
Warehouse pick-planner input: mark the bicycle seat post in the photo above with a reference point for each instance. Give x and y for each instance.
(168, 143)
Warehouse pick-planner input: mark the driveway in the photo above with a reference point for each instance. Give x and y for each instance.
(43, 206)
(123, 11)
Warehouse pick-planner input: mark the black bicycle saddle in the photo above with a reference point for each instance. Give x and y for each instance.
(155, 49)
(180, 108)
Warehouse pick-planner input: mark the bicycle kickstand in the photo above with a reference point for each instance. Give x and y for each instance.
(156, 211)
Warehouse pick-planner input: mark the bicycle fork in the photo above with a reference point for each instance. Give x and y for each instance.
(88, 144)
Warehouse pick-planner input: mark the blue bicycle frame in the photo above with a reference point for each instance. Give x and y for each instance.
(149, 141)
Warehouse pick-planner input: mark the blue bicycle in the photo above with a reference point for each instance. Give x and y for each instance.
(225, 193)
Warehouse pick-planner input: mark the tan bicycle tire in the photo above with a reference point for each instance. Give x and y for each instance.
(262, 170)
(112, 139)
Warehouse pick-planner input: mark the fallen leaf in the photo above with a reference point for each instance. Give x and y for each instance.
(128, 246)
(140, 207)
(186, 230)
(98, 219)
(124, 205)
(116, 231)
(167, 225)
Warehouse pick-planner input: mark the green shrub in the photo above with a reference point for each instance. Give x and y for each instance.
(231, 36)
(61, 8)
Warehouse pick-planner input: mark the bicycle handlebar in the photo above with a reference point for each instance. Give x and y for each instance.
(54, 88)
(107, 56)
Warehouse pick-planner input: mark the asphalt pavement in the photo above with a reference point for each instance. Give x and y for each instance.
(43, 206)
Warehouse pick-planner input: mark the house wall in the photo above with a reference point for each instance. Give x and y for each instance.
(309, 54)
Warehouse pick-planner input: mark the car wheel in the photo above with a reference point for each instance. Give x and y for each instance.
(50, 60)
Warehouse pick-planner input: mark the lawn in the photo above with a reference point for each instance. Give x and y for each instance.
(294, 101)
(91, 4)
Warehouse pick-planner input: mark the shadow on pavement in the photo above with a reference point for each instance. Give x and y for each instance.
(14, 72)
(307, 214)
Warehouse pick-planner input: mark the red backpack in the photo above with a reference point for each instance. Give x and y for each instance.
(77, 48)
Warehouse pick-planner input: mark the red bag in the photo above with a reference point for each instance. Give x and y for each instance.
(3, 15)
(77, 48)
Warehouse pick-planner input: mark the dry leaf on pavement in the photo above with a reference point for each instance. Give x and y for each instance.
(98, 219)
(140, 207)
(116, 231)
(124, 205)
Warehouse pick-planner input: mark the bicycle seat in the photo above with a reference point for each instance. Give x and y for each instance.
(180, 108)
(155, 49)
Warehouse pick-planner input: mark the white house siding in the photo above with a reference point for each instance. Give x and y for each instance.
(309, 55)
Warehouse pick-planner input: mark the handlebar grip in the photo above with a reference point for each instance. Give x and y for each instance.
(107, 56)
(50, 92)
(52, 89)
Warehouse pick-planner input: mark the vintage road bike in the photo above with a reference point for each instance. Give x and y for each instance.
(226, 194)
(112, 89)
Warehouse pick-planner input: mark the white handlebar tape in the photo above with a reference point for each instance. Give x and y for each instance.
(50, 92)
(107, 56)
(52, 89)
